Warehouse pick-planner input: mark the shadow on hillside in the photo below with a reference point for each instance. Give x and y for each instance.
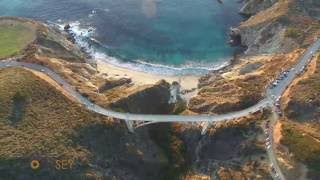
(121, 154)
(18, 108)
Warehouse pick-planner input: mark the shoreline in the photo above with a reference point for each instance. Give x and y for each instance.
(139, 77)
(187, 82)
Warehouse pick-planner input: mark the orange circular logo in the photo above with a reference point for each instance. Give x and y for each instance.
(35, 164)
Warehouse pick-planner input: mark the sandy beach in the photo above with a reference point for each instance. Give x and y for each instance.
(144, 78)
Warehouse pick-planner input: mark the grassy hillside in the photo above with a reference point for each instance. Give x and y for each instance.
(14, 36)
(301, 131)
(304, 103)
(38, 122)
(306, 149)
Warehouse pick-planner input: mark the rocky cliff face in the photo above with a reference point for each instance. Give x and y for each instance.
(150, 100)
(252, 7)
(228, 150)
(239, 86)
(271, 30)
(275, 32)
(50, 42)
(303, 102)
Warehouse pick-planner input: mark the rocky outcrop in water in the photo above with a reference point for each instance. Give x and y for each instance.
(235, 37)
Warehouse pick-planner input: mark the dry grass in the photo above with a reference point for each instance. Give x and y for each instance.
(277, 10)
(37, 121)
(220, 95)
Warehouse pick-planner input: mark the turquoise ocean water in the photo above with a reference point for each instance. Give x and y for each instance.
(164, 36)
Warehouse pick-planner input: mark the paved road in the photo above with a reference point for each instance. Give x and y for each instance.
(276, 92)
(271, 152)
(293, 73)
(278, 175)
(129, 116)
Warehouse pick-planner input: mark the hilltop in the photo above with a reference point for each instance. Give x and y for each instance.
(38, 122)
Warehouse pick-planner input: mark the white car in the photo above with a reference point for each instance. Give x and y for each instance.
(42, 70)
(268, 147)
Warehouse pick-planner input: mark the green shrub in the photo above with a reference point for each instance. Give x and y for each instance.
(304, 147)
(292, 32)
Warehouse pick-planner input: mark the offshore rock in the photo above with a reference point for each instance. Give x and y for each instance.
(235, 37)
(67, 27)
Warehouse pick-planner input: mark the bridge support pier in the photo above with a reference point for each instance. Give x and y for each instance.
(130, 126)
(205, 128)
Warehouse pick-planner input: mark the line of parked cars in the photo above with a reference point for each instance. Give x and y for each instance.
(268, 142)
(268, 146)
(273, 170)
(281, 77)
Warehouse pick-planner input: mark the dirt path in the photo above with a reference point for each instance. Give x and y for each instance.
(277, 133)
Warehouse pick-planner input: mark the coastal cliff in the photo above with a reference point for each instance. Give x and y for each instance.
(252, 7)
(275, 37)
(281, 28)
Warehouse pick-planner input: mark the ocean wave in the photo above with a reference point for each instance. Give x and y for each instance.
(83, 35)
(140, 65)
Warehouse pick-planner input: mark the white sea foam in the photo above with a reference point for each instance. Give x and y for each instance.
(82, 35)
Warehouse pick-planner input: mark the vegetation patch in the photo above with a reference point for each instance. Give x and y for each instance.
(173, 148)
(50, 127)
(304, 103)
(292, 32)
(14, 37)
(18, 109)
(305, 148)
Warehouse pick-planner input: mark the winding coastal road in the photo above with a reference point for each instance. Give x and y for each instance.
(275, 94)
(129, 116)
(272, 95)
(268, 101)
